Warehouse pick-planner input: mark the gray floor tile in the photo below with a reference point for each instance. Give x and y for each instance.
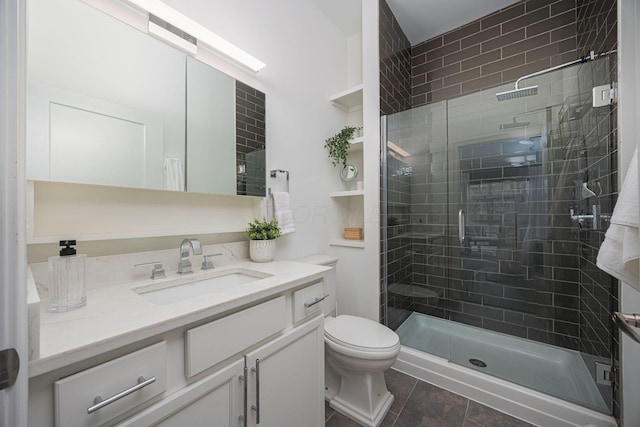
(431, 406)
(389, 420)
(328, 411)
(339, 420)
(487, 417)
(401, 386)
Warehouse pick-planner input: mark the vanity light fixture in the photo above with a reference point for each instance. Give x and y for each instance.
(171, 25)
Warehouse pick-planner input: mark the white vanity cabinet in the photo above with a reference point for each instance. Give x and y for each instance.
(217, 400)
(285, 377)
(261, 365)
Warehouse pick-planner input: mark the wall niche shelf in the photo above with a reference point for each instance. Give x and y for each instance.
(347, 193)
(348, 100)
(347, 243)
(356, 144)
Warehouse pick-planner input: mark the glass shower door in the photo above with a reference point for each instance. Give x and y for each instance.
(415, 222)
(519, 174)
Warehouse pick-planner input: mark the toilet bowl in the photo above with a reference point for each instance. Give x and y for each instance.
(357, 352)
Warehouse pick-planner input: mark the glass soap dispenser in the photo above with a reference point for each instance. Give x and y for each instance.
(67, 279)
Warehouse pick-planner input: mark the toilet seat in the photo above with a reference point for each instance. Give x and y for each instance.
(360, 337)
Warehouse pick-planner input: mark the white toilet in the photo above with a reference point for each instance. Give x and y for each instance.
(357, 352)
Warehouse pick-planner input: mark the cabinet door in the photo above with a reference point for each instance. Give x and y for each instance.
(216, 400)
(286, 379)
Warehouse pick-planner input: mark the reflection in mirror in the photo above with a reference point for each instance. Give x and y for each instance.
(349, 172)
(250, 141)
(225, 133)
(98, 109)
(211, 130)
(106, 105)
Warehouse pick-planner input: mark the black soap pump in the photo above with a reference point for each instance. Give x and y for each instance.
(67, 274)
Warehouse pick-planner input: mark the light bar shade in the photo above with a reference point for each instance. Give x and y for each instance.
(201, 33)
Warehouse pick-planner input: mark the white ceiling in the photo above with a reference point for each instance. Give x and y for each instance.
(424, 19)
(420, 20)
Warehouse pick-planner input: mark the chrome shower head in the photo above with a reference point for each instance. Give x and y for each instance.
(517, 93)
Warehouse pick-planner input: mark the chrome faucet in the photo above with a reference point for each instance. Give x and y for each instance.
(184, 267)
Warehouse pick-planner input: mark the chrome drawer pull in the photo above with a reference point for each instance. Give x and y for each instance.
(315, 301)
(245, 379)
(99, 403)
(256, 407)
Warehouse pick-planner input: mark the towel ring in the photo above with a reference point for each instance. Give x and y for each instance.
(274, 174)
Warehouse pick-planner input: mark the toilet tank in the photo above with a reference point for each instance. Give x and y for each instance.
(330, 281)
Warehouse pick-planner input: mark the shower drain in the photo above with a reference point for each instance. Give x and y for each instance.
(477, 362)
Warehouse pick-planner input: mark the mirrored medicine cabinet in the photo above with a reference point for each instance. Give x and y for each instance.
(110, 105)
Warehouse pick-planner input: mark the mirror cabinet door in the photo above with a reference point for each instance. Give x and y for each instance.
(106, 105)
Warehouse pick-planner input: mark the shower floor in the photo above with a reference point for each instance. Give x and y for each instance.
(552, 370)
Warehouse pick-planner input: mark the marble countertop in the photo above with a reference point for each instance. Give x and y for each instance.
(116, 315)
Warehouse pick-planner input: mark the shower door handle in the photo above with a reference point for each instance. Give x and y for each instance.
(461, 226)
(625, 321)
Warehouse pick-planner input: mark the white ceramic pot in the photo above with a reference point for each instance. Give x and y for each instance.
(262, 250)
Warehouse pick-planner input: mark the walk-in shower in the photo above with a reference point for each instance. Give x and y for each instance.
(489, 238)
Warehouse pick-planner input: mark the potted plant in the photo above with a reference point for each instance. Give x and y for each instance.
(339, 144)
(263, 235)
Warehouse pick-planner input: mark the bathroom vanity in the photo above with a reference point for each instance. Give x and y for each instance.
(246, 348)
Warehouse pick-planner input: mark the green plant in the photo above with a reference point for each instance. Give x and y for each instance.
(339, 144)
(263, 230)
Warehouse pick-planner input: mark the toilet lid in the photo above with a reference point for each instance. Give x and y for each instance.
(359, 332)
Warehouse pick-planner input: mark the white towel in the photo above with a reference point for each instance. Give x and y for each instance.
(173, 174)
(620, 251)
(282, 212)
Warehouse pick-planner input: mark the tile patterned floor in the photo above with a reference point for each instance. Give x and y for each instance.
(420, 404)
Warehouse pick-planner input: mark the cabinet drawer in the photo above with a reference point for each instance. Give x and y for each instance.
(212, 343)
(74, 395)
(308, 301)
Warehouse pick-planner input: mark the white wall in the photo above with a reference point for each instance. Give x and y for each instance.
(308, 59)
(629, 129)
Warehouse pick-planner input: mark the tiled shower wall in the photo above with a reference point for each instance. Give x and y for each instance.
(526, 37)
(395, 96)
(395, 64)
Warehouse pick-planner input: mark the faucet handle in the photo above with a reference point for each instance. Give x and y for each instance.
(207, 264)
(158, 270)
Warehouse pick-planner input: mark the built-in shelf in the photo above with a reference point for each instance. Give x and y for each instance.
(348, 193)
(348, 100)
(356, 144)
(347, 243)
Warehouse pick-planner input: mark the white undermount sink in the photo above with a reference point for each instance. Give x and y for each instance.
(191, 287)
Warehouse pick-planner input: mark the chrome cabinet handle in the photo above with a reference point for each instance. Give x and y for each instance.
(256, 407)
(625, 321)
(99, 403)
(315, 301)
(244, 379)
(461, 226)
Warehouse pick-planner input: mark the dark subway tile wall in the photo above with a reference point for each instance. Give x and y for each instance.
(597, 26)
(250, 140)
(526, 37)
(395, 64)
